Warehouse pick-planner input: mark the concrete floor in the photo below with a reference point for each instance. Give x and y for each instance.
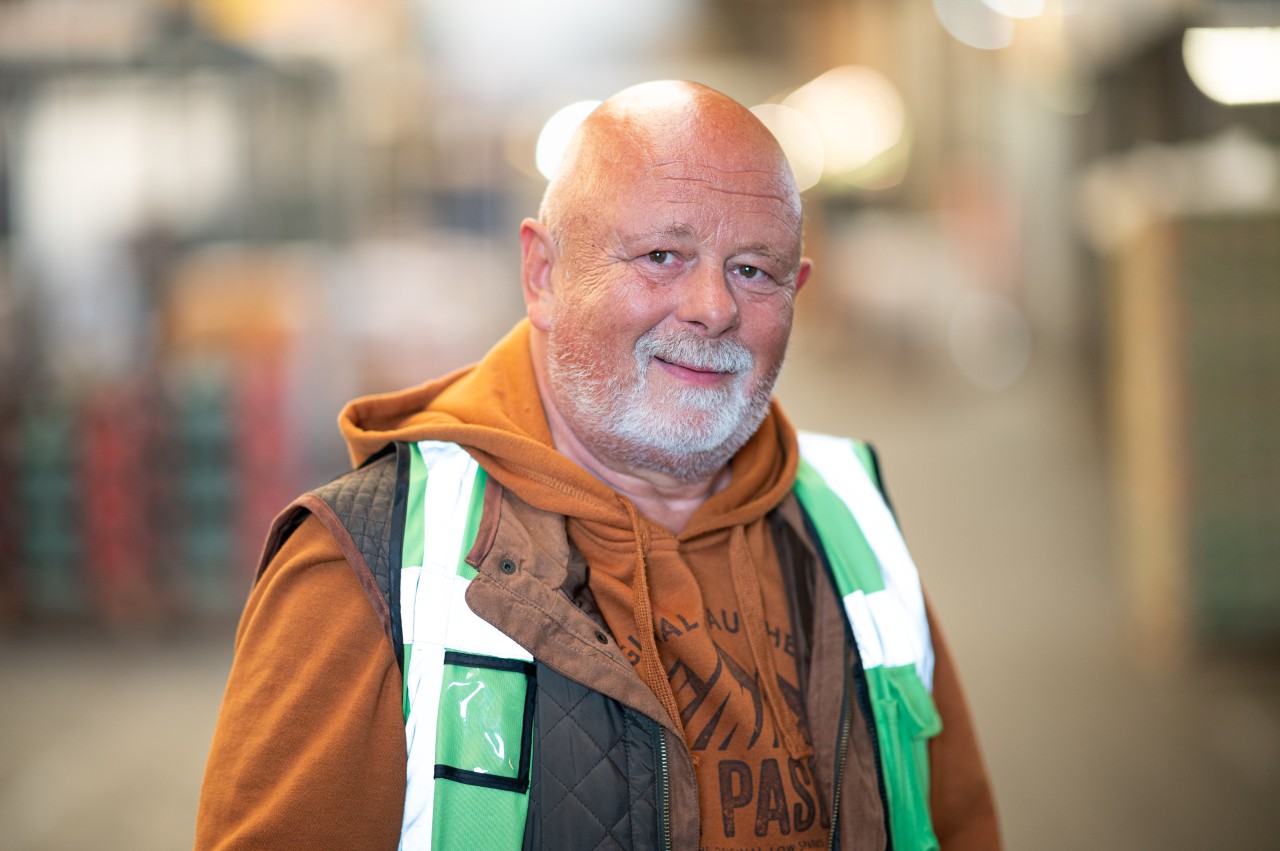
(1004, 501)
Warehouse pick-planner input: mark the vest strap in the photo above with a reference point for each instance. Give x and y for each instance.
(468, 688)
(884, 604)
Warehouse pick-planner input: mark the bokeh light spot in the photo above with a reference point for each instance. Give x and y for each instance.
(556, 133)
(799, 139)
(858, 115)
(1234, 65)
(974, 23)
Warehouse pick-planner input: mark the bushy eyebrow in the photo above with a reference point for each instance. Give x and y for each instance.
(675, 231)
(760, 248)
(683, 231)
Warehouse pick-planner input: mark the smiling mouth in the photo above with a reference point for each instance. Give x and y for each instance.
(691, 361)
(693, 375)
(689, 368)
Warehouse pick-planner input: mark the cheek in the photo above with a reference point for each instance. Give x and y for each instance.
(616, 313)
(593, 334)
(766, 330)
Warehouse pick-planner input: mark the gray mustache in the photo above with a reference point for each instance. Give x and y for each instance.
(689, 350)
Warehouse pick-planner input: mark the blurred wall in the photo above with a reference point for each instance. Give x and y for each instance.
(220, 220)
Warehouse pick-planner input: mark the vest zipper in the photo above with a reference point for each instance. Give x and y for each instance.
(664, 784)
(864, 703)
(842, 753)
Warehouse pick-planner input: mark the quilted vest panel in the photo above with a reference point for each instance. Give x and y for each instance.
(594, 782)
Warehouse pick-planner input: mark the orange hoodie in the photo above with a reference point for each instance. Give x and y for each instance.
(311, 730)
(702, 615)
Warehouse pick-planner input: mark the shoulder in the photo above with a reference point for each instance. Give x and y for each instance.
(309, 579)
(351, 521)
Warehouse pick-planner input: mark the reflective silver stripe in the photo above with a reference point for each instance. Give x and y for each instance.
(435, 617)
(889, 624)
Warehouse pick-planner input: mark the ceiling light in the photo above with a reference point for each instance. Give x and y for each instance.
(1234, 65)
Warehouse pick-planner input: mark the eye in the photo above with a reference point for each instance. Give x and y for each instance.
(661, 257)
(751, 273)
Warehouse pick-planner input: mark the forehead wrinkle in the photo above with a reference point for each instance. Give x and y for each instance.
(769, 173)
(773, 196)
(783, 212)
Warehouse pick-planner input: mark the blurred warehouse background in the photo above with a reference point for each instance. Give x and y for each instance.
(1047, 243)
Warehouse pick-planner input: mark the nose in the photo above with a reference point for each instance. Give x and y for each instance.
(706, 300)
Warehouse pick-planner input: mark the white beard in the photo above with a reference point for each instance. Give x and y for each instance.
(687, 433)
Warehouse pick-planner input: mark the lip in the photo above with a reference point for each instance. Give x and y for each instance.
(691, 375)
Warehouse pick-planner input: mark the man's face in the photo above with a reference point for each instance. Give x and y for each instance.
(673, 309)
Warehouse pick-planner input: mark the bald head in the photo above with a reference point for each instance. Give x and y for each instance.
(654, 123)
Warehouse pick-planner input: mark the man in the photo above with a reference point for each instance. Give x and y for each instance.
(623, 603)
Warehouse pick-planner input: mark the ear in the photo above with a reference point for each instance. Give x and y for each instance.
(806, 266)
(538, 259)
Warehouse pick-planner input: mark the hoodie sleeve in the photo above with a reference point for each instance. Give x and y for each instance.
(309, 749)
(960, 798)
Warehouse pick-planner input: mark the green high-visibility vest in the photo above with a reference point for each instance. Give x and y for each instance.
(469, 689)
